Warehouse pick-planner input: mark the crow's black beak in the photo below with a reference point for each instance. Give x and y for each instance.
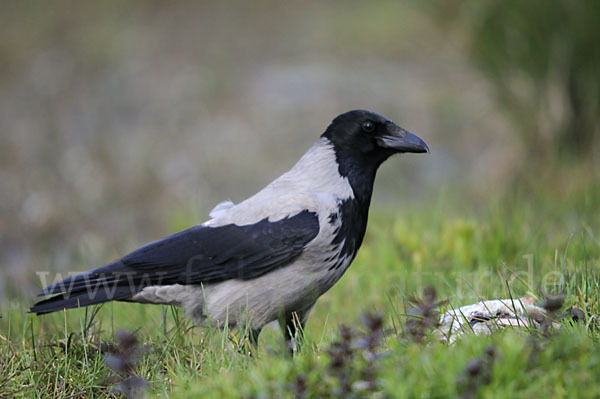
(409, 143)
(401, 140)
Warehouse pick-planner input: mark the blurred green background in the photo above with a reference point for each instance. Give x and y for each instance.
(121, 122)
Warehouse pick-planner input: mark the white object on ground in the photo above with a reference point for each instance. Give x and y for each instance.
(486, 316)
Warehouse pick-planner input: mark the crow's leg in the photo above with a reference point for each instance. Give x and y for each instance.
(292, 325)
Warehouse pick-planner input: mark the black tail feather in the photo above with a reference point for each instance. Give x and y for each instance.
(80, 299)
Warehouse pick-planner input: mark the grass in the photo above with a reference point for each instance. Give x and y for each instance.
(538, 238)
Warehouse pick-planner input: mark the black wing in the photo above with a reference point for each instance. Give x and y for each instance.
(200, 254)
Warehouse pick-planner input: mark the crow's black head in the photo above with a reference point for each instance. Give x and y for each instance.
(370, 133)
(364, 139)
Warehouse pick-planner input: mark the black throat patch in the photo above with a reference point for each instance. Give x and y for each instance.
(360, 169)
(351, 231)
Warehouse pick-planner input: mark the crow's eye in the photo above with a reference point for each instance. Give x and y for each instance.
(368, 126)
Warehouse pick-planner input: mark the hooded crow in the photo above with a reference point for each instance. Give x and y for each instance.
(267, 258)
